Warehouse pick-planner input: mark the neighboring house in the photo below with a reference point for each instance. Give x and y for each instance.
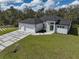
(52, 24)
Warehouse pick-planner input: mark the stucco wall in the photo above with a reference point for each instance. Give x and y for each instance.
(39, 27)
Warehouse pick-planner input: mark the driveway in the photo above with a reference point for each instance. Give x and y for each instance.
(12, 37)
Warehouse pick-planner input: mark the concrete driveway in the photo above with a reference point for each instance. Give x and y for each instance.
(12, 37)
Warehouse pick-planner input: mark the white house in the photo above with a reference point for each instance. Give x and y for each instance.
(31, 25)
(52, 24)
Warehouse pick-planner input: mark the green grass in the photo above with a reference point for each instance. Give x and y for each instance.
(53, 46)
(7, 30)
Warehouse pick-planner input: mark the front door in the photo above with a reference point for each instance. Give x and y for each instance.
(51, 27)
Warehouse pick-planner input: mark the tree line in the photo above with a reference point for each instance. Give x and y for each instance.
(13, 16)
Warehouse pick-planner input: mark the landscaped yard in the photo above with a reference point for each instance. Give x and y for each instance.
(53, 46)
(6, 30)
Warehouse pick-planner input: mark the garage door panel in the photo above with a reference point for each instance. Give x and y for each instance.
(29, 30)
(61, 30)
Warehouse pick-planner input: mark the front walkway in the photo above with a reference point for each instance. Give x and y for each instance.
(10, 38)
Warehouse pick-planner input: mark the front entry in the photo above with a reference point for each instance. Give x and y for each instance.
(51, 27)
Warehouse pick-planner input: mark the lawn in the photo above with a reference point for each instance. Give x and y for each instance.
(6, 30)
(53, 46)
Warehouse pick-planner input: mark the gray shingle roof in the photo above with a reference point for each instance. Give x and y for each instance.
(65, 22)
(32, 21)
(50, 18)
(59, 20)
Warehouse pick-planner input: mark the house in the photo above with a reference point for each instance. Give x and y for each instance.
(52, 24)
(31, 25)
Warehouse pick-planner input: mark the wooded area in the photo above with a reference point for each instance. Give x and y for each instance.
(13, 16)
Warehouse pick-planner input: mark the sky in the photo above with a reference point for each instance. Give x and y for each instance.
(36, 4)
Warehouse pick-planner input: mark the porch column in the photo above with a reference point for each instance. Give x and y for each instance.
(47, 27)
(54, 30)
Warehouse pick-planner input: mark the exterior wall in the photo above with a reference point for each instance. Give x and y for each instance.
(45, 25)
(38, 27)
(62, 30)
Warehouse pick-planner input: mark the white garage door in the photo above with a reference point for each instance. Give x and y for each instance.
(29, 30)
(62, 30)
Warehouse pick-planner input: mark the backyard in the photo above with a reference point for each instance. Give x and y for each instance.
(55, 46)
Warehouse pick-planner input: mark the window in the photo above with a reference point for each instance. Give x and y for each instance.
(51, 27)
(60, 26)
(51, 23)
